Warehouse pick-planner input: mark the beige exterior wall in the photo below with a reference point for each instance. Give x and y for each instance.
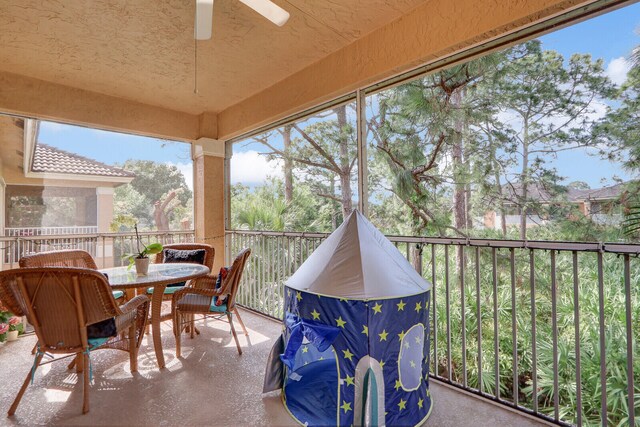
(208, 189)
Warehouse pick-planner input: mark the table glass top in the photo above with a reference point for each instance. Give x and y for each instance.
(170, 272)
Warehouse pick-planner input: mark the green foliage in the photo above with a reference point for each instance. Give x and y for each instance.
(153, 182)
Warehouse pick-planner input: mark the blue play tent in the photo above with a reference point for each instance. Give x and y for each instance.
(355, 346)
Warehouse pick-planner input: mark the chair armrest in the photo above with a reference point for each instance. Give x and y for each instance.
(206, 282)
(134, 303)
(194, 291)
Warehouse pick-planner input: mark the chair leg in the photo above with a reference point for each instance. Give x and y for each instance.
(192, 321)
(34, 349)
(235, 311)
(72, 363)
(233, 332)
(133, 348)
(177, 331)
(85, 384)
(16, 402)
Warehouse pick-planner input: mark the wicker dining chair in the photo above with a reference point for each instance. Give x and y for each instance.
(169, 290)
(65, 258)
(209, 256)
(192, 301)
(60, 303)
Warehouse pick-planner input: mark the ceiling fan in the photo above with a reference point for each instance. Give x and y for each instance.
(266, 8)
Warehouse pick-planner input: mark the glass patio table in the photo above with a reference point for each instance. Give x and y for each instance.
(158, 277)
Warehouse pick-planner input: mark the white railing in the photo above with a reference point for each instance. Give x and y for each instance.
(49, 231)
(106, 248)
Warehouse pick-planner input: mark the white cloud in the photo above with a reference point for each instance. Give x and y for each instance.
(187, 171)
(617, 70)
(251, 167)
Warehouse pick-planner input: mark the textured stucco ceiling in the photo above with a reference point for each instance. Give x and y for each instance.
(143, 50)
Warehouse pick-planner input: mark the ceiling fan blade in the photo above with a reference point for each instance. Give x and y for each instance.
(269, 10)
(204, 19)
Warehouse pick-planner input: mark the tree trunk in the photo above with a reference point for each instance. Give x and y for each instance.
(288, 165)
(457, 155)
(524, 181)
(345, 162)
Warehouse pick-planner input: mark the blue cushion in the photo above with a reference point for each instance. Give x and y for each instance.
(168, 290)
(96, 342)
(118, 294)
(217, 308)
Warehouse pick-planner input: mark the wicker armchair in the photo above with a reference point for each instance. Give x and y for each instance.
(60, 303)
(188, 302)
(64, 258)
(208, 262)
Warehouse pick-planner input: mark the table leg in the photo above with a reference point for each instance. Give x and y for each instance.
(156, 314)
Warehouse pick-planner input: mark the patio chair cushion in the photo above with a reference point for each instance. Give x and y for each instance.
(195, 256)
(117, 294)
(170, 289)
(218, 308)
(103, 329)
(221, 276)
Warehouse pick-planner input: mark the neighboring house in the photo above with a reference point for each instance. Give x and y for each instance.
(45, 190)
(601, 205)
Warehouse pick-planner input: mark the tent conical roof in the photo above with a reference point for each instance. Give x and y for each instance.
(358, 261)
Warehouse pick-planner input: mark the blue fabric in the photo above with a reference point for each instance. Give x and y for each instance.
(168, 290)
(320, 335)
(218, 308)
(118, 294)
(313, 399)
(389, 324)
(96, 342)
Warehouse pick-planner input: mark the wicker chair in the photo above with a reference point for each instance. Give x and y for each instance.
(188, 302)
(64, 258)
(60, 303)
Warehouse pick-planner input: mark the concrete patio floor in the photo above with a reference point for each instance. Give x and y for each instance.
(210, 385)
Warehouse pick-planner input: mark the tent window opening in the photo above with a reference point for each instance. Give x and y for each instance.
(411, 356)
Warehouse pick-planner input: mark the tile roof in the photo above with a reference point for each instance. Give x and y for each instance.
(47, 159)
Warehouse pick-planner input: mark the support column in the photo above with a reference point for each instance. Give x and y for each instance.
(104, 210)
(209, 190)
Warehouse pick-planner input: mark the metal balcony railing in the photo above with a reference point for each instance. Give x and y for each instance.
(548, 328)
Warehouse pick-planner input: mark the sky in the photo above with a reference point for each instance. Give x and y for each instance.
(611, 37)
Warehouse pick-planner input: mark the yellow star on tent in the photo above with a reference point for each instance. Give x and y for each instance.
(401, 335)
(401, 305)
(305, 349)
(420, 402)
(365, 330)
(377, 308)
(382, 364)
(346, 406)
(383, 335)
(289, 293)
(315, 314)
(299, 296)
(343, 300)
(398, 385)
(402, 405)
(412, 363)
(321, 358)
(340, 322)
(418, 306)
(347, 354)
(349, 380)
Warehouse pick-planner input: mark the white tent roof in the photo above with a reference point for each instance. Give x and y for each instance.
(358, 261)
